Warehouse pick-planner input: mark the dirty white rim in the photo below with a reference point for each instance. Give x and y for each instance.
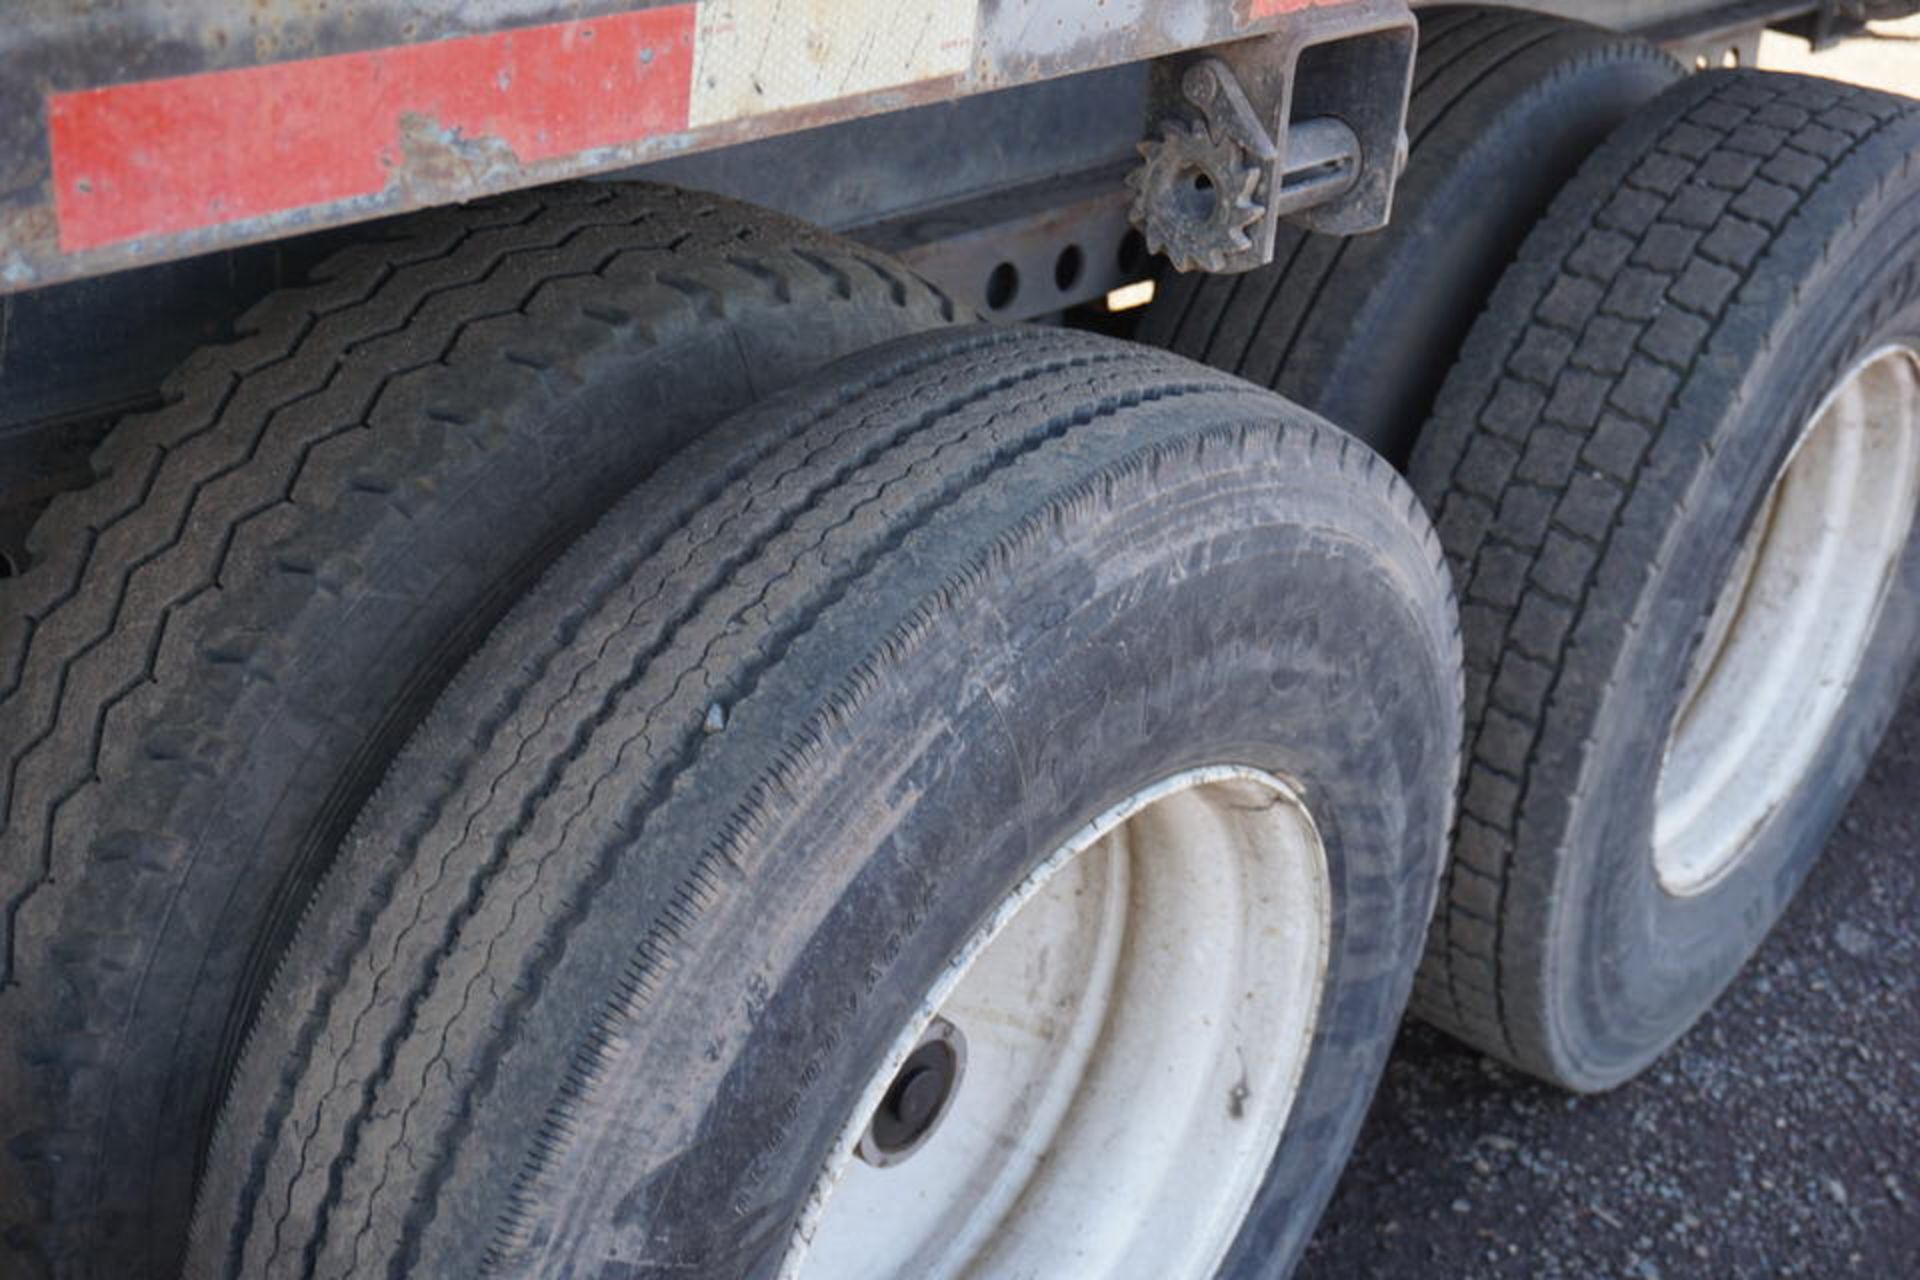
(1136, 1018)
(1786, 639)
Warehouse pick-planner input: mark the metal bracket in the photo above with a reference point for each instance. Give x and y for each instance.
(1305, 124)
(1836, 21)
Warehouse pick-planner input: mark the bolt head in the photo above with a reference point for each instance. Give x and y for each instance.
(917, 1097)
(1199, 84)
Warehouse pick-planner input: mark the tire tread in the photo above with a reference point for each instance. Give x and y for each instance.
(1538, 459)
(190, 567)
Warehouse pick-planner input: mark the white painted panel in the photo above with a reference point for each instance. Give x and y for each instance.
(755, 56)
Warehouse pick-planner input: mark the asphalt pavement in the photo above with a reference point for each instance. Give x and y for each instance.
(1781, 1137)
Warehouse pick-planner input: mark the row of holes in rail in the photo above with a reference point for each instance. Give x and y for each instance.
(1004, 283)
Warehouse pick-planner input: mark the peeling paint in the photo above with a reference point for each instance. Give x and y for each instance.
(362, 108)
(165, 156)
(437, 161)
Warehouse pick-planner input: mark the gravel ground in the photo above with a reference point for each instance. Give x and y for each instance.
(1780, 1138)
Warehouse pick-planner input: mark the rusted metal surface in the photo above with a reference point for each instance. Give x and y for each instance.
(182, 104)
(1226, 166)
(1026, 251)
(769, 68)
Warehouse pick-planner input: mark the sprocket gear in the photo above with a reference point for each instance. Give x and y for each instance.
(1193, 197)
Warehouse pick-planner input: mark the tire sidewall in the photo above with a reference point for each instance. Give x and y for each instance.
(1175, 631)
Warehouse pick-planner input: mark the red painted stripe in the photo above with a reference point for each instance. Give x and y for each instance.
(166, 156)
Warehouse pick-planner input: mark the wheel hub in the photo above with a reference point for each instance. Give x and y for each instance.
(917, 1100)
(1138, 1012)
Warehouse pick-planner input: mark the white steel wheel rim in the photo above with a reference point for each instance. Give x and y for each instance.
(1789, 632)
(1137, 1016)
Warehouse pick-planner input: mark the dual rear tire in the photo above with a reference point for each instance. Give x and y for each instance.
(1090, 705)
(927, 765)
(219, 645)
(1672, 453)
(815, 706)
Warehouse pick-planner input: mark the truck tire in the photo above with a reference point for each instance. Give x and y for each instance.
(647, 918)
(1362, 329)
(1675, 471)
(221, 642)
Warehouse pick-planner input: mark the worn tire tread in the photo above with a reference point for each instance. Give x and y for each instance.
(1537, 465)
(192, 561)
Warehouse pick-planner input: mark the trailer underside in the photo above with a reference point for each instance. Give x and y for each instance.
(155, 170)
(182, 131)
